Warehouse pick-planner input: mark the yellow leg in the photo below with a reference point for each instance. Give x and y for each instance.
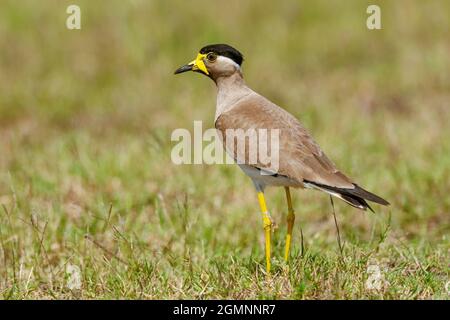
(290, 221)
(267, 227)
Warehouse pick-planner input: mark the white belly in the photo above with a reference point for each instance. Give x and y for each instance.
(263, 178)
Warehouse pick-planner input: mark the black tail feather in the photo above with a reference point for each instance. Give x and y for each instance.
(357, 202)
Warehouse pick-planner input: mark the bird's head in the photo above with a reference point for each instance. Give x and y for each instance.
(216, 60)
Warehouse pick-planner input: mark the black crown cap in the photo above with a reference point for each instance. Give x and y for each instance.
(224, 50)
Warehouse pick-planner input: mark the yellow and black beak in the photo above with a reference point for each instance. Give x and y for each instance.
(197, 65)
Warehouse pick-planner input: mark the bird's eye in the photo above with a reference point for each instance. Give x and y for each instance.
(211, 57)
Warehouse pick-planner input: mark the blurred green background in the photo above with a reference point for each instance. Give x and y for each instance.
(85, 123)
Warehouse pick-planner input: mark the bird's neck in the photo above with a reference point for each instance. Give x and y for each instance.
(230, 89)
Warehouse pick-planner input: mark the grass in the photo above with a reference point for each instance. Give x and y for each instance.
(86, 180)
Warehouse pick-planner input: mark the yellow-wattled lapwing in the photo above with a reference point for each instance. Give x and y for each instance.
(301, 162)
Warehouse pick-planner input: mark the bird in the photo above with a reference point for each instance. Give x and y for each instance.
(301, 163)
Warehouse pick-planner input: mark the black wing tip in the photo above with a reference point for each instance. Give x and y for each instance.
(362, 193)
(356, 197)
